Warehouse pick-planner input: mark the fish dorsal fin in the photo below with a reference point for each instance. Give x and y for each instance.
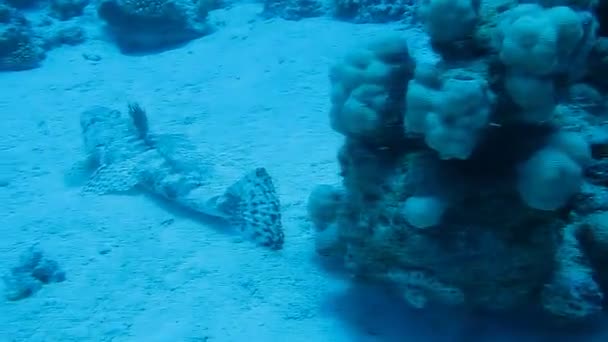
(113, 178)
(252, 206)
(140, 119)
(175, 148)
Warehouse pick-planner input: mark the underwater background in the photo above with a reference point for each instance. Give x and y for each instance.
(239, 86)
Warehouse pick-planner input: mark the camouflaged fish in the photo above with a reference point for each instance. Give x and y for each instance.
(124, 155)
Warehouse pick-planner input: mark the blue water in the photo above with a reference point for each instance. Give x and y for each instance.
(242, 85)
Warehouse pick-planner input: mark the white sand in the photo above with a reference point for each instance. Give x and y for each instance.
(256, 94)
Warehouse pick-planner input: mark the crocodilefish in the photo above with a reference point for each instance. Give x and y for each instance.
(123, 155)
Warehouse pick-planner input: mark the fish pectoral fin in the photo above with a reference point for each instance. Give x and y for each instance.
(113, 178)
(184, 155)
(79, 173)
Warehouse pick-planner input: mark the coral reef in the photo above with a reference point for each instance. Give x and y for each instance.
(293, 9)
(355, 11)
(372, 11)
(148, 25)
(19, 49)
(32, 272)
(477, 179)
(29, 29)
(67, 9)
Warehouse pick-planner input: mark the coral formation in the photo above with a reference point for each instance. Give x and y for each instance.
(33, 271)
(293, 9)
(148, 25)
(356, 11)
(30, 28)
(372, 11)
(28, 32)
(67, 9)
(19, 50)
(478, 179)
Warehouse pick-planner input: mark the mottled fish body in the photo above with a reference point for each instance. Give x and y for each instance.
(124, 155)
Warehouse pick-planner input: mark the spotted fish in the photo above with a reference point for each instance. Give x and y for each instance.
(122, 155)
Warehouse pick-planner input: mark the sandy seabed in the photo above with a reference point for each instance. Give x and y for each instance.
(254, 93)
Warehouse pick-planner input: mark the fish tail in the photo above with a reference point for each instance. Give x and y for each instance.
(253, 207)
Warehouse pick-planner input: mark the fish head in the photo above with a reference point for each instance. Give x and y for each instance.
(101, 128)
(99, 118)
